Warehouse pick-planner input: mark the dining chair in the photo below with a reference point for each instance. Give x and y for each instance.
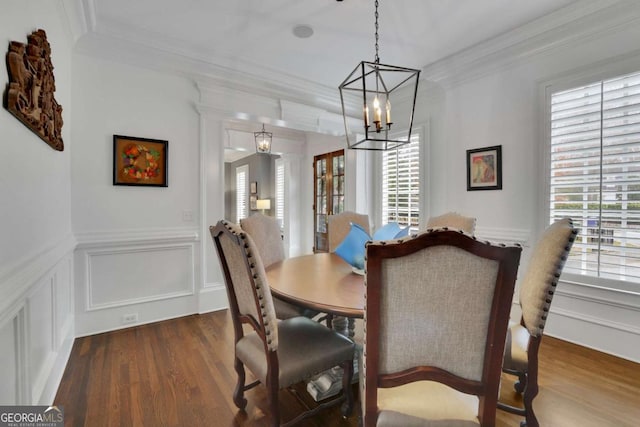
(265, 232)
(338, 227)
(278, 353)
(453, 220)
(436, 315)
(536, 293)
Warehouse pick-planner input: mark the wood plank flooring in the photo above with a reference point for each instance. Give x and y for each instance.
(180, 373)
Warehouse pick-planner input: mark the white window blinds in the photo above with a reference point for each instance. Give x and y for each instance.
(242, 173)
(280, 192)
(595, 175)
(401, 184)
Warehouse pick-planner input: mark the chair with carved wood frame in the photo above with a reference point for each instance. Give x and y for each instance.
(536, 293)
(278, 353)
(446, 372)
(265, 232)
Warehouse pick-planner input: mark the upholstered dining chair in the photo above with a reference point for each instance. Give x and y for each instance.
(445, 368)
(536, 293)
(278, 353)
(338, 227)
(453, 220)
(265, 232)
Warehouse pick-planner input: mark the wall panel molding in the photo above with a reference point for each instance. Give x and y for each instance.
(15, 280)
(151, 250)
(504, 235)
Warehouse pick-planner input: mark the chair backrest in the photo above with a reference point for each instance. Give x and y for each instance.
(246, 282)
(453, 220)
(459, 290)
(338, 226)
(265, 232)
(544, 269)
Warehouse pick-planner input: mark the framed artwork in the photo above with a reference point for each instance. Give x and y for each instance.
(253, 202)
(484, 168)
(254, 187)
(139, 161)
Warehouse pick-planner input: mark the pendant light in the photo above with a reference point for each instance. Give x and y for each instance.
(263, 141)
(376, 87)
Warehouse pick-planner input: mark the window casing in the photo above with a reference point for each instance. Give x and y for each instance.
(401, 184)
(594, 166)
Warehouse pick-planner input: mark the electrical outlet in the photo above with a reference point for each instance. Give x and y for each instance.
(187, 216)
(129, 318)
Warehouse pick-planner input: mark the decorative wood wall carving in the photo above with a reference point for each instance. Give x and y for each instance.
(29, 94)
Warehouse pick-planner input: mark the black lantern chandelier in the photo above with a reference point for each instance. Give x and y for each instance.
(263, 141)
(376, 87)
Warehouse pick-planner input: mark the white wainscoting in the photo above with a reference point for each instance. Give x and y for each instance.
(36, 325)
(132, 277)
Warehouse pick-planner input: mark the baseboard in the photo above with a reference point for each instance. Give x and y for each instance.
(52, 382)
(212, 298)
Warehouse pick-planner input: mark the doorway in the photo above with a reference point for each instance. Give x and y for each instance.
(328, 192)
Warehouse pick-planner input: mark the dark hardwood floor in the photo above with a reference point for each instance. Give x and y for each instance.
(180, 373)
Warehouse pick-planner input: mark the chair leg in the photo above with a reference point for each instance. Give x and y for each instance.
(347, 388)
(238, 394)
(530, 392)
(521, 385)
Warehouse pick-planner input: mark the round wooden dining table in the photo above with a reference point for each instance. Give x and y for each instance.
(323, 282)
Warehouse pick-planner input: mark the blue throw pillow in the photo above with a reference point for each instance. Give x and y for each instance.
(390, 231)
(351, 249)
(402, 233)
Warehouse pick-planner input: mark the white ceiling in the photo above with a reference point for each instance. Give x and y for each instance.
(255, 36)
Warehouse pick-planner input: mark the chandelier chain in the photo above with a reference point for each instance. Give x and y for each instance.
(377, 59)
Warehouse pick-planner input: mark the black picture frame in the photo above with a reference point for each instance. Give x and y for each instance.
(484, 168)
(140, 161)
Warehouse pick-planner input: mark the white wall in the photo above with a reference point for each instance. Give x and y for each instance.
(36, 316)
(502, 105)
(138, 251)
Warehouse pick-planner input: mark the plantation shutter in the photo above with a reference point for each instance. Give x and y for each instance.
(241, 193)
(401, 184)
(595, 175)
(280, 192)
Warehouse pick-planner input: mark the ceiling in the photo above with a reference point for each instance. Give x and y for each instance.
(256, 37)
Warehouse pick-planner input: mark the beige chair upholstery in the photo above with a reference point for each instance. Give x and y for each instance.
(453, 220)
(265, 232)
(338, 226)
(278, 353)
(536, 293)
(443, 368)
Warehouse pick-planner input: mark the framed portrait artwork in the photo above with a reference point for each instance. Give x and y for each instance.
(484, 168)
(254, 187)
(253, 202)
(139, 161)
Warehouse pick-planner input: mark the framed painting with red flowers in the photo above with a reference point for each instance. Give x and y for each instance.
(139, 161)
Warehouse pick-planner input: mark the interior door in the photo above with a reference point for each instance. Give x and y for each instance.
(328, 173)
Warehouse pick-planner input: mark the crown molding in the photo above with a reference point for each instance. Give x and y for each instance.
(567, 27)
(112, 40)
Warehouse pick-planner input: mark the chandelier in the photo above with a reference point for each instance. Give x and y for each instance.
(376, 87)
(263, 141)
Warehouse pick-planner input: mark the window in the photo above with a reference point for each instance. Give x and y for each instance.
(280, 192)
(595, 175)
(242, 182)
(401, 184)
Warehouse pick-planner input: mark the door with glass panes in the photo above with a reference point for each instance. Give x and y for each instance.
(328, 172)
